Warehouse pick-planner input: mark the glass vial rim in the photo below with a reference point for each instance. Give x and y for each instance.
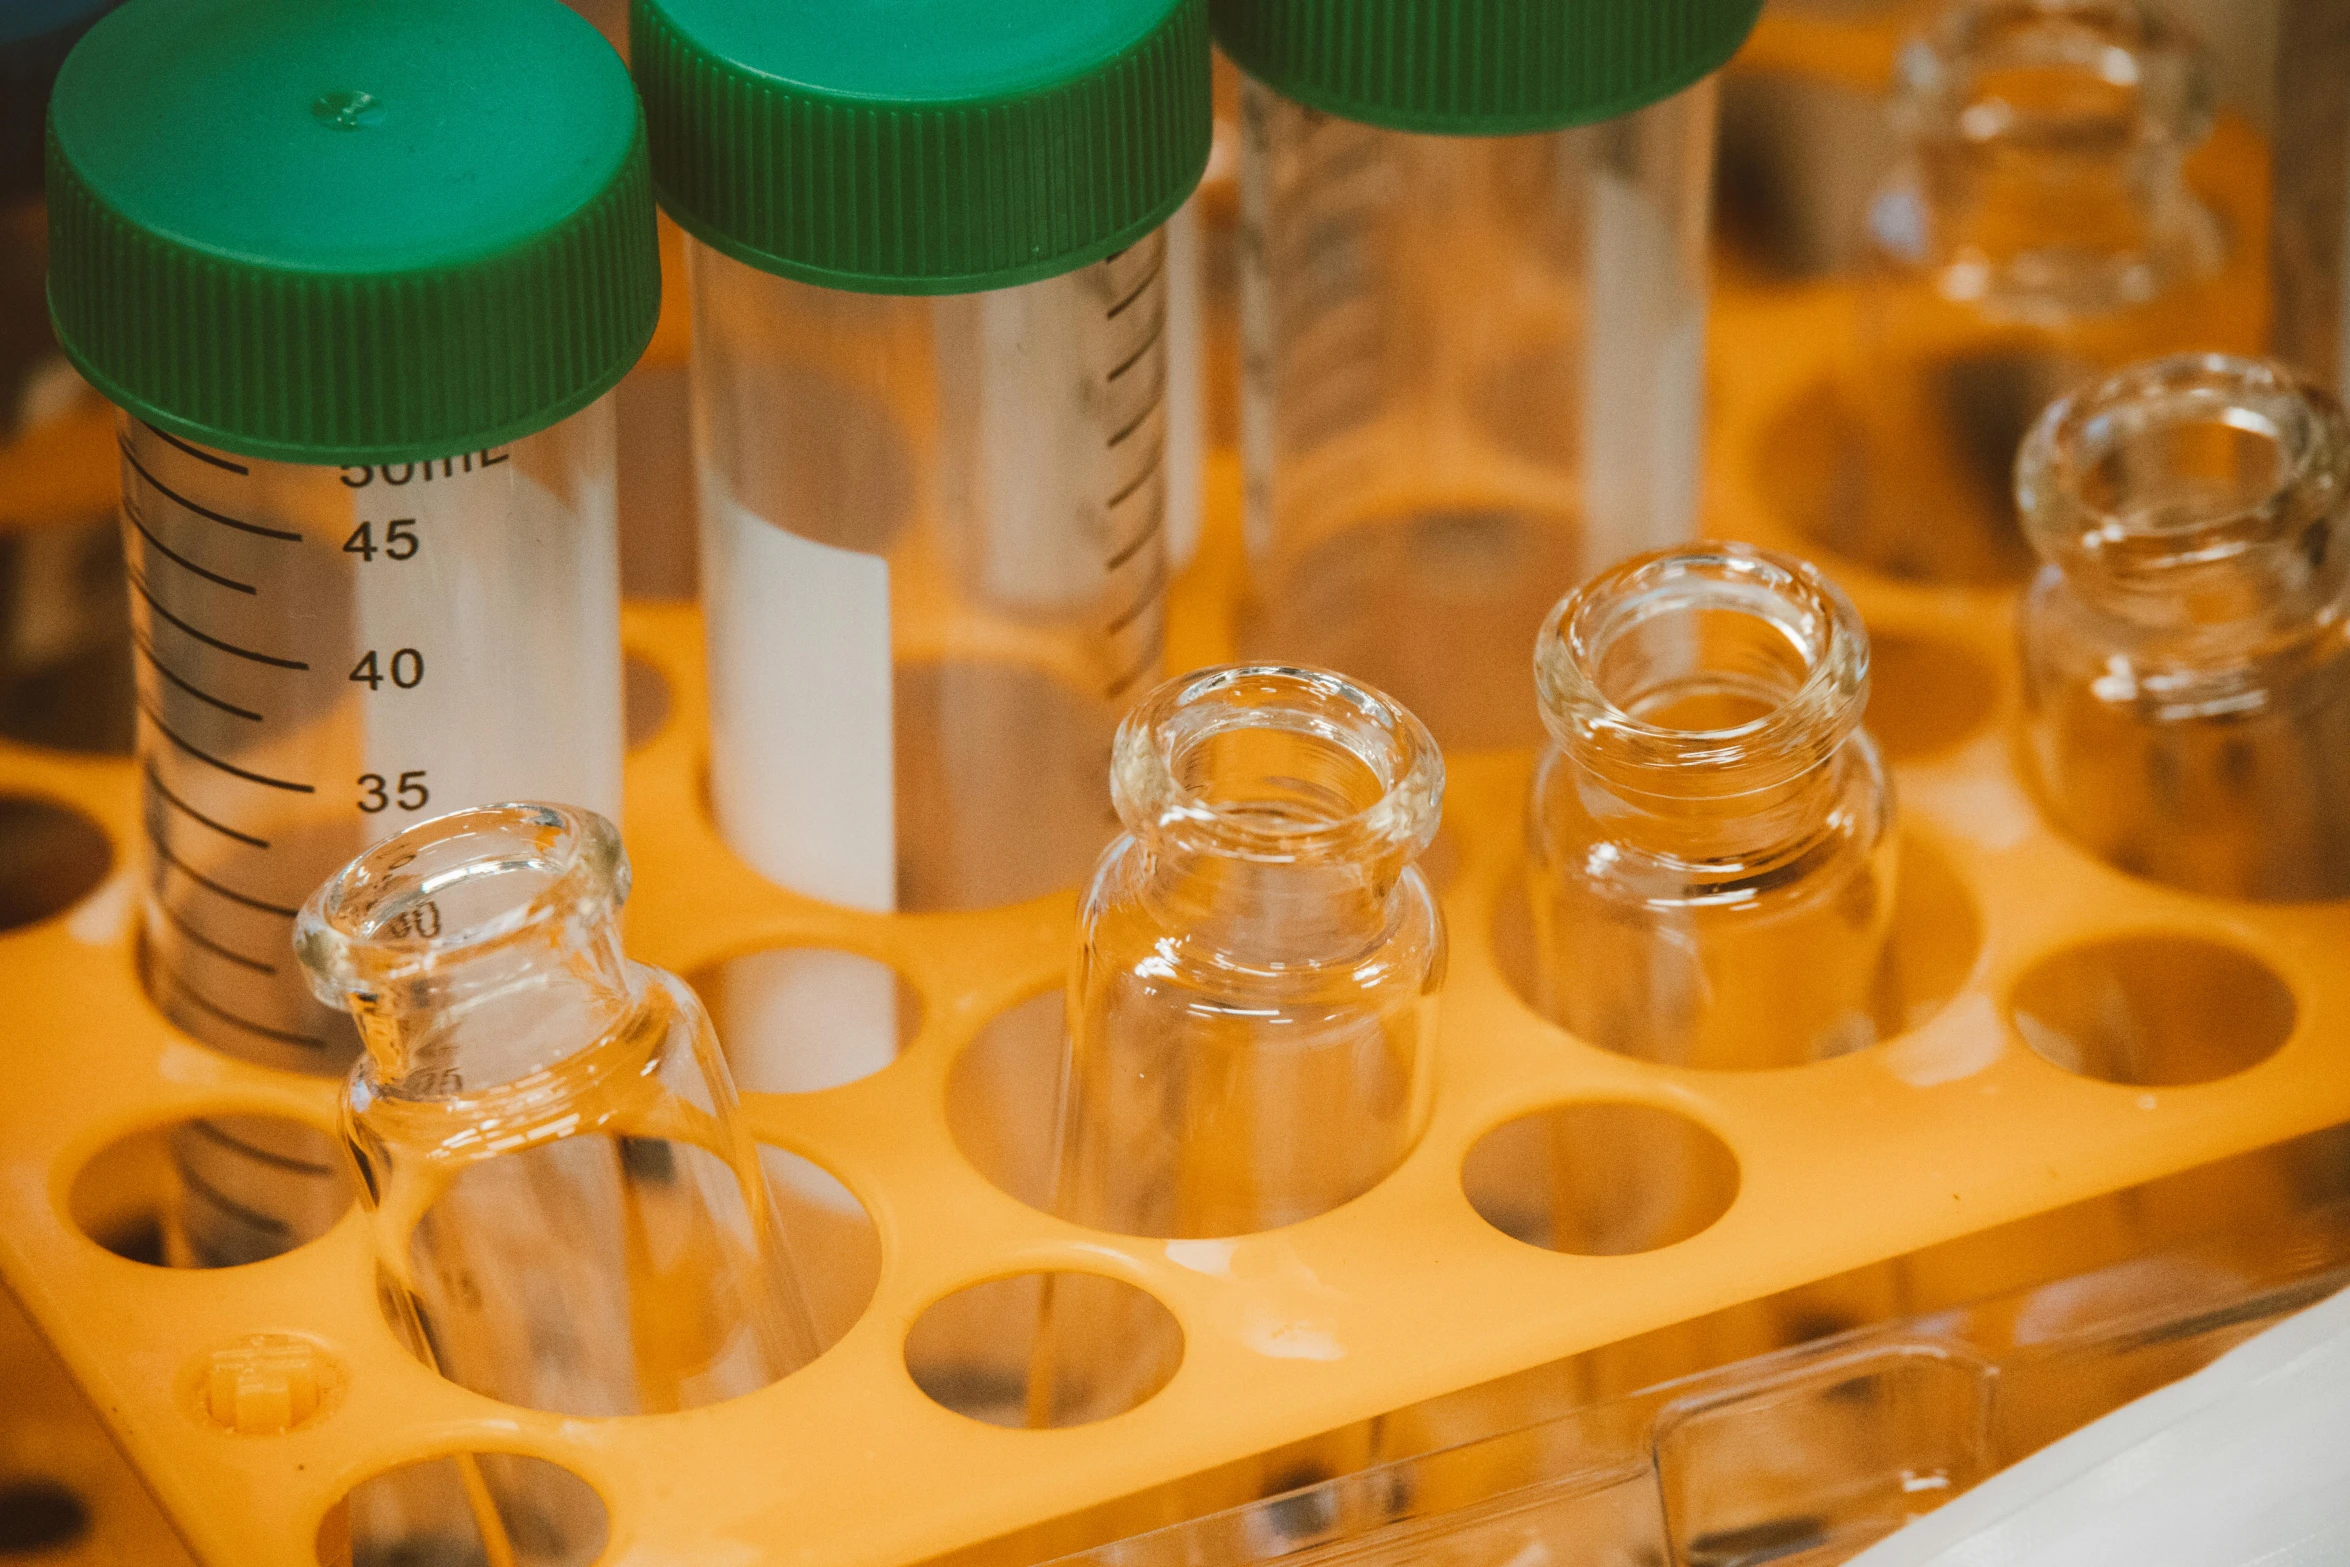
(2072, 527)
(1789, 595)
(362, 932)
(1154, 742)
(1939, 69)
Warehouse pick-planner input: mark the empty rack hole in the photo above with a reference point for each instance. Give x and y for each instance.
(644, 700)
(214, 1191)
(1003, 1092)
(2153, 1011)
(795, 1019)
(834, 1245)
(1600, 1179)
(1044, 1350)
(598, 1274)
(1927, 695)
(467, 1510)
(39, 1515)
(51, 857)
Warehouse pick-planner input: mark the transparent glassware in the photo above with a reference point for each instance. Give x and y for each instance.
(1472, 371)
(934, 574)
(2187, 663)
(568, 1208)
(325, 655)
(2039, 231)
(1712, 873)
(1252, 1010)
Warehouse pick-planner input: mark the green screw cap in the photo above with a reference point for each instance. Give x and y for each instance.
(923, 146)
(346, 231)
(1480, 67)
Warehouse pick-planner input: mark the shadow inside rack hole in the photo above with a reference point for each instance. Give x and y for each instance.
(467, 1510)
(214, 1191)
(1937, 936)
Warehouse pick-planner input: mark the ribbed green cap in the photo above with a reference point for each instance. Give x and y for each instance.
(923, 146)
(1480, 67)
(349, 231)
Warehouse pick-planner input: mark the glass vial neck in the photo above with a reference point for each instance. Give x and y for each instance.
(2200, 494)
(1704, 696)
(1277, 808)
(477, 948)
(2050, 139)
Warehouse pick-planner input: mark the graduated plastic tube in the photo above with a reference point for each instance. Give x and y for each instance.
(1473, 327)
(366, 586)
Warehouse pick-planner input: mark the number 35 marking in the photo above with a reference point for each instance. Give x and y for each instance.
(409, 794)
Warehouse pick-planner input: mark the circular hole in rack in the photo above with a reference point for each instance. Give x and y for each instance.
(1936, 937)
(2153, 1011)
(1002, 1093)
(835, 1246)
(1044, 1350)
(796, 1019)
(51, 857)
(1601, 1179)
(1926, 695)
(39, 1515)
(592, 1275)
(212, 1192)
(644, 700)
(467, 1510)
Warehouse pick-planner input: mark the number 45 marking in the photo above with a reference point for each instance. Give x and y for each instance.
(399, 543)
(409, 794)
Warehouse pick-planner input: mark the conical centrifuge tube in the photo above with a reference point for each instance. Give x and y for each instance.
(1713, 861)
(1251, 1015)
(568, 1209)
(2040, 230)
(2187, 644)
(367, 470)
(1473, 311)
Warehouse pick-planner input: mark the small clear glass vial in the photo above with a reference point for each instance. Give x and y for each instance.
(2039, 231)
(568, 1209)
(1711, 829)
(2187, 643)
(367, 466)
(1473, 304)
(1252, 1010)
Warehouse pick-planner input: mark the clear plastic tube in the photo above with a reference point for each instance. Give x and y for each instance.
(2039, 231)
(935, 572)
(1713, 860)
(1252, 1013)
(1472, 376)
(2187, 644)
(568, 1209)
(326, 655)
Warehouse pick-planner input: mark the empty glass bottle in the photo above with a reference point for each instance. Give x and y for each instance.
(2039, 231)
(1713, 860)
(1473, 313)
(568, 1209)
(1252, 1009)
(2187, 671)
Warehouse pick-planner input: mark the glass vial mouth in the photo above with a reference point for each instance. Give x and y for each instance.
(1277, 764)
(2179, 471)
(457, 888)
(2079, 77)
(1714, 660)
